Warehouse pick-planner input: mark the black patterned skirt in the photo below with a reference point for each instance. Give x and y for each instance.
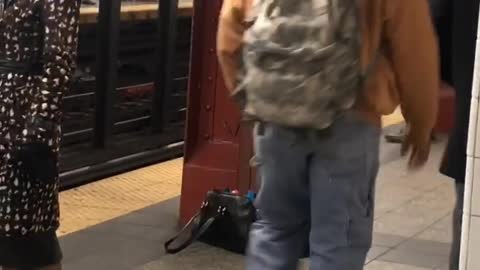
(30, 252)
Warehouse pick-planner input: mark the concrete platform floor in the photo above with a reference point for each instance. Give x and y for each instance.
(412, 226)
(122, 194)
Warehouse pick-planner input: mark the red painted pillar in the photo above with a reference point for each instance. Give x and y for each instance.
(217, 147)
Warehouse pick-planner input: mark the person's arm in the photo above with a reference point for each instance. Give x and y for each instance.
(413, 49)
(229, 38)
(414, 54)
(59, 19)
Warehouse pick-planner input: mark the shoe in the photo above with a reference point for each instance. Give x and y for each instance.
(397, 137)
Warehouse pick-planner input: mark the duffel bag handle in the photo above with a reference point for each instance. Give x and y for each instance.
(199, 228)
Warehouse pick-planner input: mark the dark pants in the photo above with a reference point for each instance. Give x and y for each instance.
(457, 228)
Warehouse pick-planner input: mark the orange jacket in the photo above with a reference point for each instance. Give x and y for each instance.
(407, 73)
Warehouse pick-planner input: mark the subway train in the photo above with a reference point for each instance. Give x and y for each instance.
(132, 105)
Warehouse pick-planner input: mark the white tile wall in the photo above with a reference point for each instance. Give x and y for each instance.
(471, 225)
(465, 241)
(469, 259)
(473, 164)
(475, 200)
(469, 179)
(473, 146)
(476, 89)
(473, 260)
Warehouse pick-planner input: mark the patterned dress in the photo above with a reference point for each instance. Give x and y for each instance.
(45, 32)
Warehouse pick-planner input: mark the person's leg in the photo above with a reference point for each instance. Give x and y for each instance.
(279, 237)
(342, 180)
(457, 228)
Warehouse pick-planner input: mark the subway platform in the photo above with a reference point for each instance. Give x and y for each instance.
(121, 223)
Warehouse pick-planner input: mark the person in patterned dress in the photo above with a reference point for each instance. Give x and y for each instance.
(38, 43)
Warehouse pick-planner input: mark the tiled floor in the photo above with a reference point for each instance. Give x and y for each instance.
(412, 226)
(413, 220)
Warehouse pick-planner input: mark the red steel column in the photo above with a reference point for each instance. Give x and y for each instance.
(217, 149)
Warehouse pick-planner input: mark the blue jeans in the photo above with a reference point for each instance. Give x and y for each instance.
(316, 189)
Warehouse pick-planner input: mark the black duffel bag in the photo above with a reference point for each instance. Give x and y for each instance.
(223, 221)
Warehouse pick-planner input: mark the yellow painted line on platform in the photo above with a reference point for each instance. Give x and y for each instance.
(116, 196)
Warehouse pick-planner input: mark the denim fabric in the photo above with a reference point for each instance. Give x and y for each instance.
(317, 189)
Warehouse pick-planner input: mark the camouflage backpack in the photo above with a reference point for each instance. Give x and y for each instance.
(301, 62)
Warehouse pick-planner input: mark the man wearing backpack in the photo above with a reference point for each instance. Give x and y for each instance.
(316, 76)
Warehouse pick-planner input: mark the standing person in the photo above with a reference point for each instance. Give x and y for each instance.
(318, 122)
(465, 20)
(38, 49)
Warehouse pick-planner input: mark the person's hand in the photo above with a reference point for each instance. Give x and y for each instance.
(418, 144)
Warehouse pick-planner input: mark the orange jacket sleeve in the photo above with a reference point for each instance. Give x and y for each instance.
(229, 38)
(414, 54)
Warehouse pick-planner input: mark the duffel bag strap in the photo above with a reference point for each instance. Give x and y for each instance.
(198, 226)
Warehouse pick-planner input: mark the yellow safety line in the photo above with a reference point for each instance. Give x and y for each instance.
(116, 196)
